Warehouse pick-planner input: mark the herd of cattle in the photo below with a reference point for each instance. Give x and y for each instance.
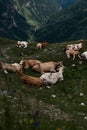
(74, 50)
(24, 44)
(51, 72)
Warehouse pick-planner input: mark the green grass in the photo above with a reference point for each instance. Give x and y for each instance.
(19, 102)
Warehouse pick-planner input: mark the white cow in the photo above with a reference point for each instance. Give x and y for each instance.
(39, 46)
(23, 44)
(75, 47)
(52, 78)
(6, 67)
(72, 53)
(84, 54)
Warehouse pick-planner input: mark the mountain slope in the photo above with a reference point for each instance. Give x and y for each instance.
(12, 24)
(70, 24)
(37, 11)
(20, 18)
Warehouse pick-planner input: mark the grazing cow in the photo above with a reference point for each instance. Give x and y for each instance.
(72, 53)
(52, 78)
(84, 55)
(10, 67)
(46, 67)
(39, 46)
(23, 44)
(44, 44)
(75, 47)
(29, 63)
(33, 81)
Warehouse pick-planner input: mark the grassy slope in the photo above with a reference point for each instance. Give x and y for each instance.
(19, 102)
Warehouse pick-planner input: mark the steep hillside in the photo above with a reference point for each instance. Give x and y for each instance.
(12, 24)
(20, 18)
(68, 25)
(37, 12)
(66, 3)
(62, 106)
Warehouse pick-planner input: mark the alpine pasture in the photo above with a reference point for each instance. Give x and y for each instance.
(62, 106)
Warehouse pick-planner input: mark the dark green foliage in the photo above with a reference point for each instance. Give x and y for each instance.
(43, 20)
(39, 9)
(66, 25)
